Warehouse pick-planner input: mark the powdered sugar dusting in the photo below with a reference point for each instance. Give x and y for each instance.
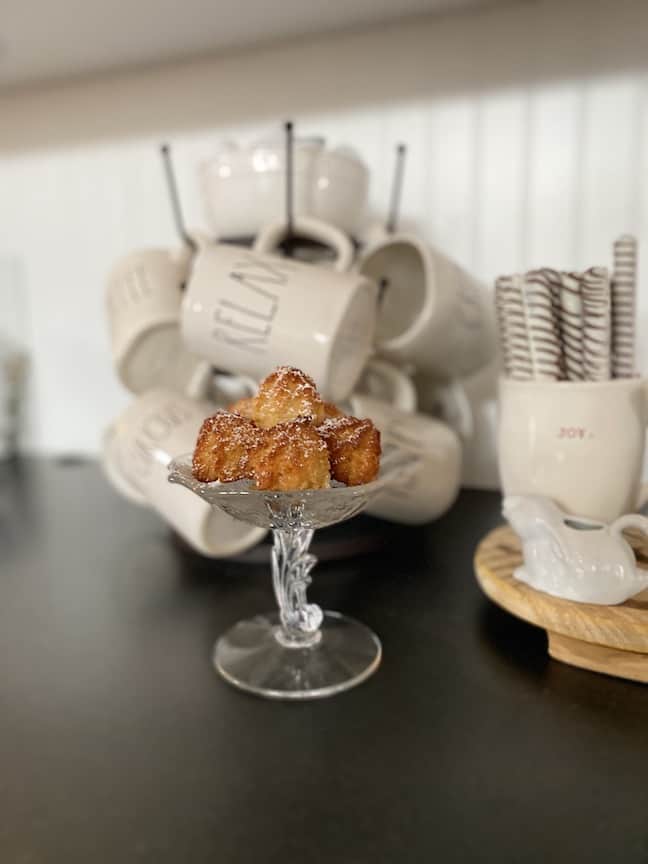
(292, 380)
(352, 429)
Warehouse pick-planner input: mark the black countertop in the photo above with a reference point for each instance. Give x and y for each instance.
(118, 742)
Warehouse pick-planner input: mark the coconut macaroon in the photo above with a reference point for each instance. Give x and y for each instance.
(286, 394)
(331, 410)
(245, 407)
(224, 448)
(286, 438)
(286, 457)
(354, 449)
(293, 456)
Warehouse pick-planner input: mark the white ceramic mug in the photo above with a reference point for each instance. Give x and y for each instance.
(244, 186)
(431, 489)
(247, 312)
(340, 189)
(270, 237)
(143, 298)
(155, 428)
(432, 314)
(387, 382)
(579, 443)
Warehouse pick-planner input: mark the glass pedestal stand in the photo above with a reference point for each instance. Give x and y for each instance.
(299, 652)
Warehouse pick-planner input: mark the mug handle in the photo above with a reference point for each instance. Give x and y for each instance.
(404, 396)
(113, 475)
(464, 423)
(270, 236)
(642, 497)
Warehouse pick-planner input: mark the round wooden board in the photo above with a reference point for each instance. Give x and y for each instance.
(609, 639)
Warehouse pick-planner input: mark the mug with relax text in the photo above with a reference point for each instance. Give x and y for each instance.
(248, 312)
(432, 487)
(143, 296)
(432, 314)
(580, 443)
(155, 428)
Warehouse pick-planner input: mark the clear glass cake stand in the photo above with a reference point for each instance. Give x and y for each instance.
(299, 652)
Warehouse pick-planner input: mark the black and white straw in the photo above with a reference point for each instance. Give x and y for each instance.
(596, 324)
(512, 318)
(571, 325)
(542, 326)
(557, 326)
(624, 294)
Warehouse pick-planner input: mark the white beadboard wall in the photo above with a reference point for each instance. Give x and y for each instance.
(500, 176)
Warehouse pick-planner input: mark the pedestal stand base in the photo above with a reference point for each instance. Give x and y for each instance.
(251, 657)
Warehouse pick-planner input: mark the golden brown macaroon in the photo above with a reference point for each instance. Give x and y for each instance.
(293, 456)
(287, 393)
(331, 410)
(245, 407)
(354, 449)
(224, 448)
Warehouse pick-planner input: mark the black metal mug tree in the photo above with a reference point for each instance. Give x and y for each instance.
(394, 206)
(332, 543)
(292, 243)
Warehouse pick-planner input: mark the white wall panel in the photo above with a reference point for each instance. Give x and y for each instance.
(452, 215)
(608, 202)
(501, 152)
(555, 130)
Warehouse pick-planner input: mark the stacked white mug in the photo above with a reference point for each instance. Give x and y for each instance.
(210, 322)
(248, 312)
(143, 298)
(137, 449)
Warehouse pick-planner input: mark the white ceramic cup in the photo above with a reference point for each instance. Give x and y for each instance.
(579, 443)
(340, 189)
(270, 236)
(431, 489)
(387, 382)
(244, 186)
(432, 314)
(155, 428)
(143, 298)
(248, 312)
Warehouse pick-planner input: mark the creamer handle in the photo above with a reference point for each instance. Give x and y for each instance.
(631, 520)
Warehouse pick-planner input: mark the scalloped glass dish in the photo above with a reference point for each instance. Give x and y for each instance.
(299, 652)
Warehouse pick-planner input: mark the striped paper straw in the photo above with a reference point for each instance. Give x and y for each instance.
(513, 327)
(503, 285)
(554, 280)
(624, 293)
(542, 327)
(571, 325)
(596, 324)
